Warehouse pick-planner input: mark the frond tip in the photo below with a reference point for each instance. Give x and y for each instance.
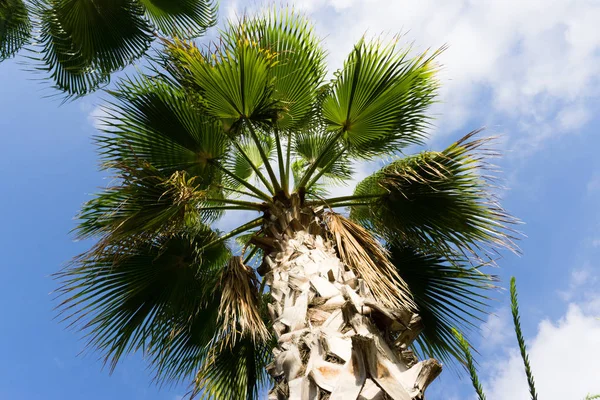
(441, 201)
(239, 311)
(470, 365)
(359, 250)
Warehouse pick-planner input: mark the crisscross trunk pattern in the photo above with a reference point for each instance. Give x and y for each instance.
(334, 340)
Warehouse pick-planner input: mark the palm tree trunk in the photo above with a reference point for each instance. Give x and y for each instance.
(334, 340)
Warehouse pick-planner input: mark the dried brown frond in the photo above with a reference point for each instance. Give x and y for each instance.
(181, 188)
(239, 309)
(359, 250)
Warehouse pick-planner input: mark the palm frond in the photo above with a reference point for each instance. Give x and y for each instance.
(15, 27)
(312, 146)
(299, 67)
(360, 251)
(82, 42)
(234, 81)
(236, 371)
(439, 200)
(181, 18)
(448, 293)
(239, 309)
(145, 205)
(246, 159)
(378, 100)
(157, 296)
(152, 121)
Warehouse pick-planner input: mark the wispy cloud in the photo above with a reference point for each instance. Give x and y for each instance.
(536, 64)
(564, 358)
(496, 330)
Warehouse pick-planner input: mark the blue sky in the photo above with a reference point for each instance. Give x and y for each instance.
(529, 73)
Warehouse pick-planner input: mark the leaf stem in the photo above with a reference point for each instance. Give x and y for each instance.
(242, 228)
(282, 170)
(252, 188)
(264, 157)
(325, 168)
(256, 169)
(307, 175)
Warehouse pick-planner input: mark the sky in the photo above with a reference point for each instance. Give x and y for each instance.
(528, 71)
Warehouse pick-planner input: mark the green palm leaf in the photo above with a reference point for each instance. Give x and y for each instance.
(378, 99)
(152, 121)
(145, 205)
(246, 159)
(234, 81)
(238, 371)
(181, 18)
(157, 296)
(438, 200)
(82, 41)
(298, 69)
(15, 27)
(310, 143)
(448, 293)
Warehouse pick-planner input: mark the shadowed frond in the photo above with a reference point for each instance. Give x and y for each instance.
(152, 121)
(237, 371)
(181, 18)
(157, 296)
(145, 205)
(79, 43)
(359, 250)
(437, 200)
(15, 27)
(378, 100)
(238, 312)
(82, 42)
(309, 144)
(448, 293)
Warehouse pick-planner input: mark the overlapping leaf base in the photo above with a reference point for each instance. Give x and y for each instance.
(334, 340)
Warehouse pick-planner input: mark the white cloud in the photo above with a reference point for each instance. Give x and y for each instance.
(580, 281)
(574, 117)
(538, 61)
(564, 358)
(496, 330)
(97, 116)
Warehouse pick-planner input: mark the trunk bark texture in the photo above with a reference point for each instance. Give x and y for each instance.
(334, 340)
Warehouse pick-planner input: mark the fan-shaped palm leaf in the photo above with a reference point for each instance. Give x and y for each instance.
(152, 121)
(237, 371)
(378, 100)
(234, 81)
(82, 42)
(15, 27)
(439, 200)
(448, 293)
(298, 69)
(157, 296)
(180, 18)
(145, 205)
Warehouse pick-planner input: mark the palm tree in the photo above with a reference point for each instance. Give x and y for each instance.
(308, 299)
(79, 43)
